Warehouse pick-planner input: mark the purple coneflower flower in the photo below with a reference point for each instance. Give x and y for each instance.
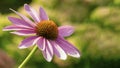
(43, 32)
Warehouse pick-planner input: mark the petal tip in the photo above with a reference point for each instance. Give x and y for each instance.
(22, 47)
(4, 29)
(43, 14)
(11, 19)
(76, 55)
(64, 58)
(12, 9)
(26, 6)
(41, 8)
(49, 60)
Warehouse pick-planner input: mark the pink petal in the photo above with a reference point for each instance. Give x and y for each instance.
(30, 41)
(50, 47)
(18, 21)
(43, 14)
(58, 51)
(24, 18)
(24, 32)
(41, 43)
(32, 13)
(48, 52)
(65, 31)
(68, 48)
(14, 27)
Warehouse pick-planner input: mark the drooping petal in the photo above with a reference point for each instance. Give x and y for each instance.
(24, 32)
(43, 14)
(58, 51)
(32, 13)
(24, 18)
(65, 31)
(48, 52)
(50, 47)
(30, 41)
(68, 48)
(18, 21)
(14, 27)
(41, 43)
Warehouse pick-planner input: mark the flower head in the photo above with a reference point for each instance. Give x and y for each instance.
(43, 32)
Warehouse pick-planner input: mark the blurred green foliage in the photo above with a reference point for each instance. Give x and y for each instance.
(97, 32)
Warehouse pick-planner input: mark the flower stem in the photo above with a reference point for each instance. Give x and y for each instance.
(28, 57)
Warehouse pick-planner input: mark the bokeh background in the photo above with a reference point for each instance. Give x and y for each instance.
(97, 33)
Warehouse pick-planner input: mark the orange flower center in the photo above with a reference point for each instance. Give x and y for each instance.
(47, 29)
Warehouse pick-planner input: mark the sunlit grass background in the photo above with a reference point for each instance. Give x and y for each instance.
(97, 32)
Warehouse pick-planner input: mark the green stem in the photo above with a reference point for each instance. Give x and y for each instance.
(28, 57)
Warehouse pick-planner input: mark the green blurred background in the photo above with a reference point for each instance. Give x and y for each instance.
(97, 32)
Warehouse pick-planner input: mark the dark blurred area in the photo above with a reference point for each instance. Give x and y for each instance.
(97, 32)
(15, 4)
